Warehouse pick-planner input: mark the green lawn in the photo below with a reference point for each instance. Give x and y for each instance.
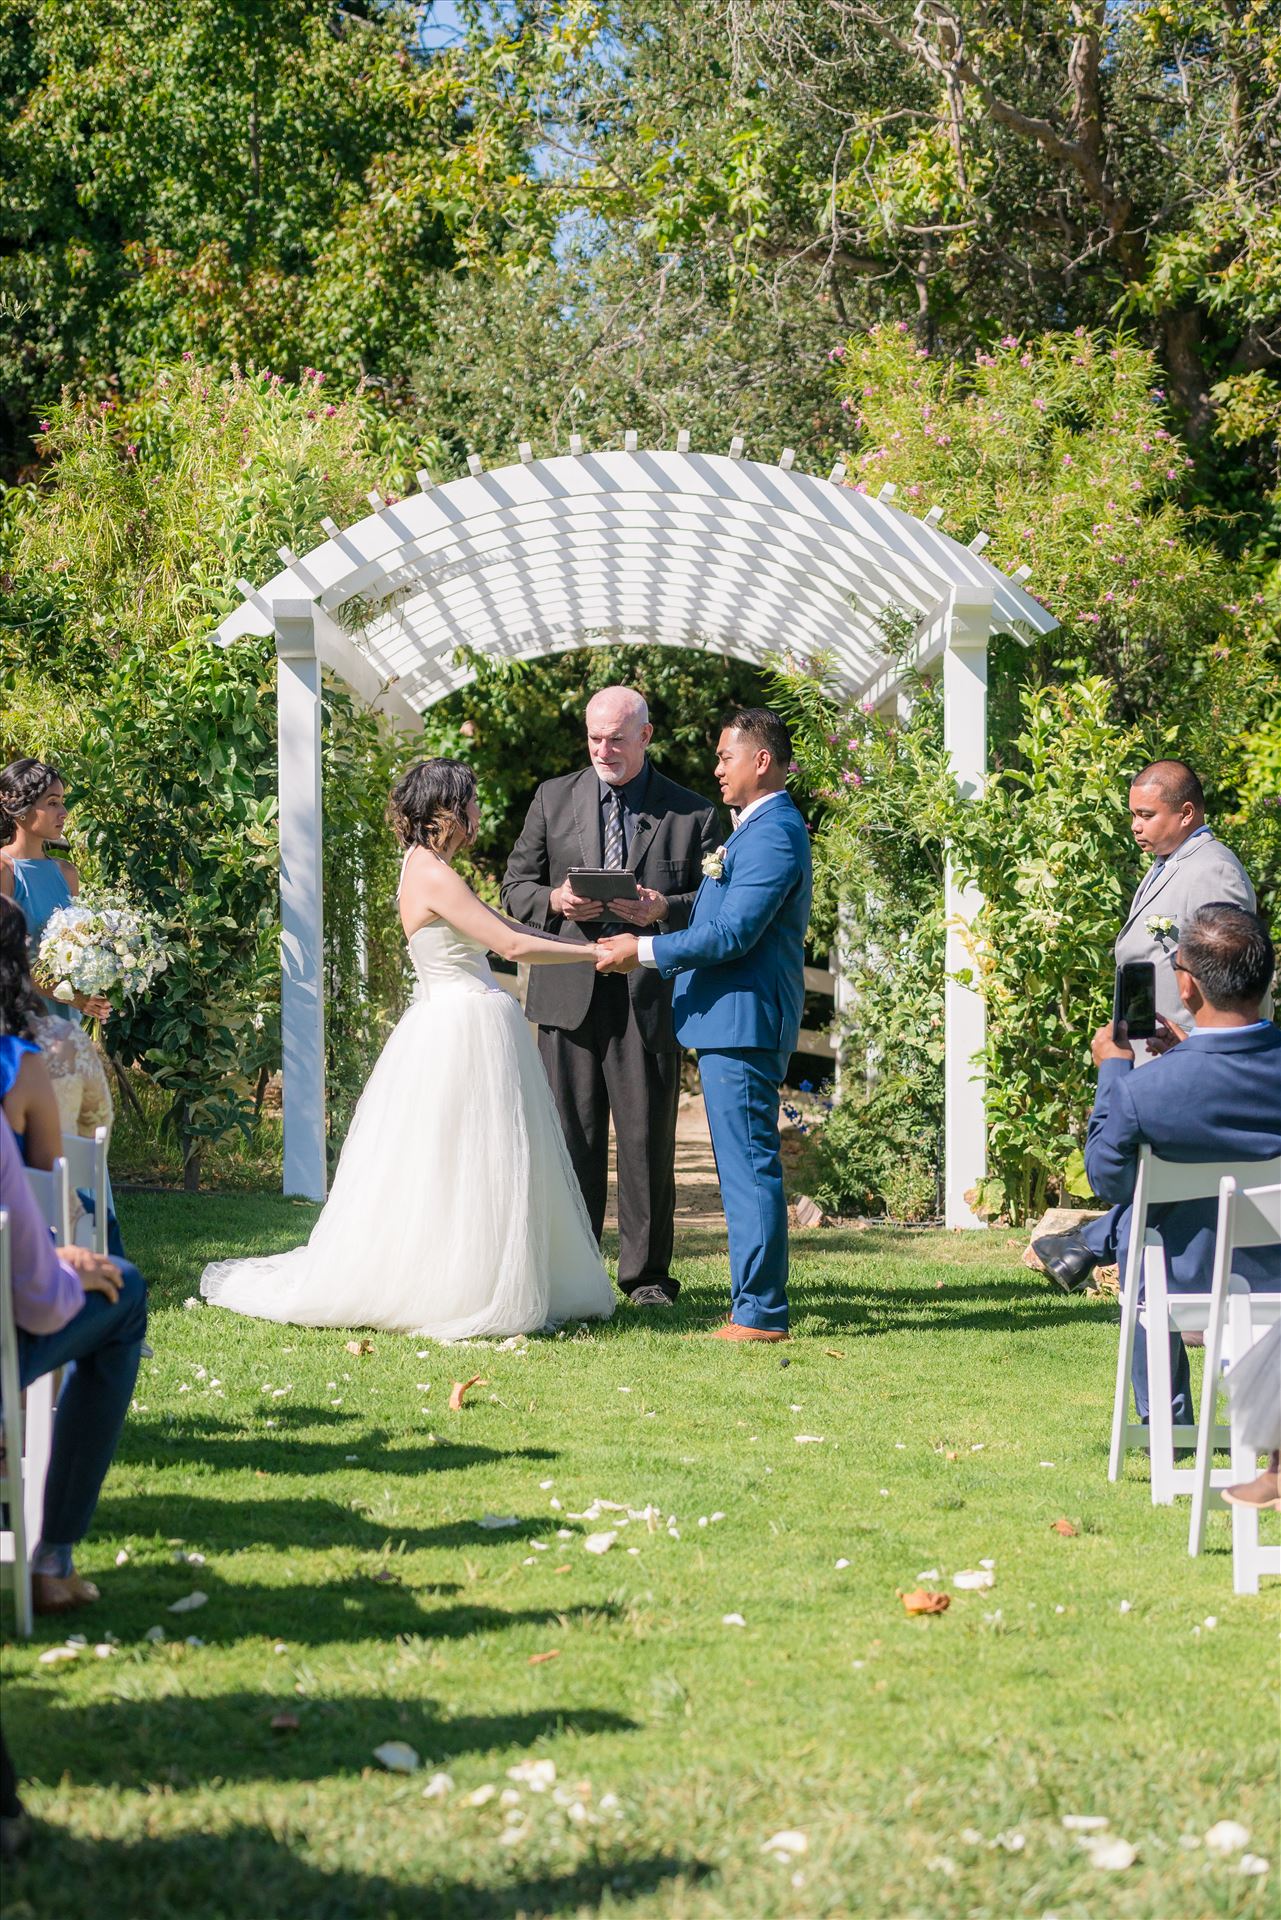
(961, 1409)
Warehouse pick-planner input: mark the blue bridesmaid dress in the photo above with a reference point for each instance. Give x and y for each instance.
(39, 889)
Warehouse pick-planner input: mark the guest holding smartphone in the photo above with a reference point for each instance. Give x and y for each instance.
(1190, 869)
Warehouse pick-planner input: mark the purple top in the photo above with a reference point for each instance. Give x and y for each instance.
(46, 1293)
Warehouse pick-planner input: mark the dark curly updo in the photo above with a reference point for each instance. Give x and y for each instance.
(428, 805)
(22, 784)
(19, 1001)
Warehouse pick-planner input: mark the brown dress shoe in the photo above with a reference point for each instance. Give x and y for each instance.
(51, 1593)
(732, 1331)
(1263, 1494)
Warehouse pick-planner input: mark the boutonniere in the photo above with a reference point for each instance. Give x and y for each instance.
(1159, 926)
(714, 864)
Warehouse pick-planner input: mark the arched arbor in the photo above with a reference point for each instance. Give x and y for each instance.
(707, 551)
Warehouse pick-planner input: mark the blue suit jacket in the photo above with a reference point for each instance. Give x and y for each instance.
(740, 963)
(1217, 1097)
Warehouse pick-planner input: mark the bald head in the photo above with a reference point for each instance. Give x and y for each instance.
(618, 732)
(1167, 805)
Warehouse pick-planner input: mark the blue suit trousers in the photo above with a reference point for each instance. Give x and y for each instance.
(740, 1090)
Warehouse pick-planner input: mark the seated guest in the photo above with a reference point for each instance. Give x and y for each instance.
(26, 1090)
(70, 1304)
(78, 1075)
(1214, 1093)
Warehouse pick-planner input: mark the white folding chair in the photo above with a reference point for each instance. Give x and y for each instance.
(14, 1547)
(1160, 1183)
(52, 1194)
(1248, 1217)
(87, 1169)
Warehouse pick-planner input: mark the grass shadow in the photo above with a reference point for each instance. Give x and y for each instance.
(181, 1742)
(310, 1521)
(248, 1870)
(187, 1439)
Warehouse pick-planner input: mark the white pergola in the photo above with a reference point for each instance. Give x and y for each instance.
(699, 550)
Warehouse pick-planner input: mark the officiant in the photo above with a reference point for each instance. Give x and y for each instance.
(606, 1040)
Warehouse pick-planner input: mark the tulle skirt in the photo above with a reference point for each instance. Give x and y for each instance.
(455, 1212)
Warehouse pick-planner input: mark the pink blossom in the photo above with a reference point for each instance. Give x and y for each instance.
(1039, 404)
(1008, 340)
(1025, 359)
(902, 326)
(1171, 473)
(330, 411)
(46, 426)
(1067, 459)
(914, 490)
(846, 403)
(868, 707)
(836, 353)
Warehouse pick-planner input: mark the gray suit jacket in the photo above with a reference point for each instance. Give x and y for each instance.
(563, 830)
(1202, 870)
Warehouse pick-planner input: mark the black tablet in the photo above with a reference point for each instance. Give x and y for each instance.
(603, 883)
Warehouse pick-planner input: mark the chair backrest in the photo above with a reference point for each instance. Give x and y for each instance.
(52, 1194)
(9, 1390)
(87, 1170)
(1249, 1216)
(1168, 1180)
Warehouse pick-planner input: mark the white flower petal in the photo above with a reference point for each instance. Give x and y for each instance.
(397, 1757)
(1227, 1836)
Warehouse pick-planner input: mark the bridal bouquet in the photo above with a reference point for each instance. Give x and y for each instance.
(100, 944)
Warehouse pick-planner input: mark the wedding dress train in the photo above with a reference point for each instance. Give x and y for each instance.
(455, 1211)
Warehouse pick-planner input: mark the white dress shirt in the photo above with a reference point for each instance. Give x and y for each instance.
(645, 944)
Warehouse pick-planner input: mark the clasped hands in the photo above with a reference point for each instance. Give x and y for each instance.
(615, 953)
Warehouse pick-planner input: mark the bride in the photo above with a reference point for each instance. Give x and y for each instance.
(454, 1211)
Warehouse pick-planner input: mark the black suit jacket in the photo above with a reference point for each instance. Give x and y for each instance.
(676, 828)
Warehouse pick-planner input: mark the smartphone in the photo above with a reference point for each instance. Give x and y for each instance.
(1134, 1000)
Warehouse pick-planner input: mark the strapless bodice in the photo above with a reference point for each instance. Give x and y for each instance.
(444, 958)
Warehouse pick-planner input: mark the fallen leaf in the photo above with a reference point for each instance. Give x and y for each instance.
(733, 1620)
(385, 1577)
(921, 1600)
(1227, 1836)
(973, 1579)
(52, 1655)
(154, 1634)
(564, 1569)
(438, 1786)
(553, 1653)
(599, 1542)
(461, 1388)
(360, 1346)
(396, 1756)
(496, 1520)
(809, 1439)
(1252, 1863)
(285, 1723)
(481, 1796)
(834, 1353)
(189, 1602)
(1064, 1527)
(1084, 1822)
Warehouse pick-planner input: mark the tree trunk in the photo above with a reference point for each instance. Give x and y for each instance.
(191, 1155)
(1182, 340)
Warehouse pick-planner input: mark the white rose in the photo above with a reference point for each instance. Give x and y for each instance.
(64, 991)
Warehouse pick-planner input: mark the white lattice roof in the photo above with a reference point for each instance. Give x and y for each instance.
(686, 549)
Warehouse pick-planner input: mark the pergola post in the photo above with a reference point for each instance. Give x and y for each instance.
(965, 738)
(302, 999)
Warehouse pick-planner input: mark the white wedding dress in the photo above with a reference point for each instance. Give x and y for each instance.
(455, 1212)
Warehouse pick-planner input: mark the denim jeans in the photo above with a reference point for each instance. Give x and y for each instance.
(104, 1340)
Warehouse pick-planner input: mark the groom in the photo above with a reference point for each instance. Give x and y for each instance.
(739, 969)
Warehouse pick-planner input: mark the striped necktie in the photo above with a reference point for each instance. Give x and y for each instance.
(614, 832)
